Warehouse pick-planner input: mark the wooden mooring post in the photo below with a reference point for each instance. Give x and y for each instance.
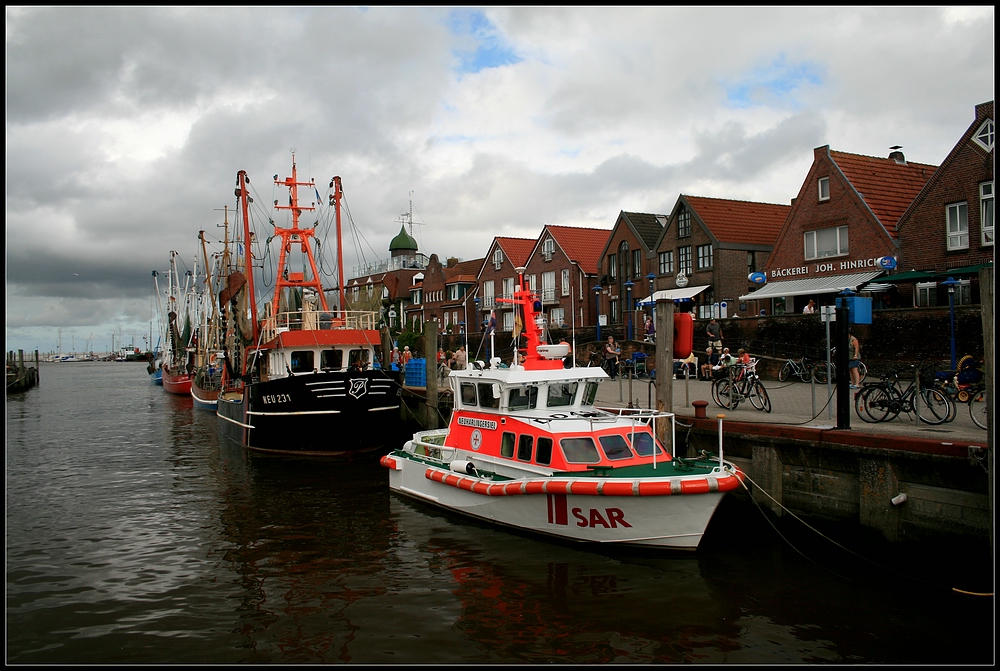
(20, 378)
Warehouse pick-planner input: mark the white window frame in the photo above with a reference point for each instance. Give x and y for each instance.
(497, 258)
(508, 321)
(810, 245)
(986, 212)
(532, 282)
(613, 266)
(565, 282)
(549, 286)
(557, 317)
(823, 188)
(548, 249)
(926, 294)
(986, 135)
(488, 295)
(637, 263)
(957, 226)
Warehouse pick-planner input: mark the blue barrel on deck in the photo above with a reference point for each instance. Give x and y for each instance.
(415, 374)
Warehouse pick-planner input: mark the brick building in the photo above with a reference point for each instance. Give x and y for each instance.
(947, 231)
(630, 257)
(441, 294)
(841, 226)
(562, 269)
(496, 278)
(707, 249)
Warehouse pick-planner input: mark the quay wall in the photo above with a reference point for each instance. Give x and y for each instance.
(850, 477)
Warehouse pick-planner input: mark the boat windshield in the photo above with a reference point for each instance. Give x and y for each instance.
(579, 450)
(561, 394)
(643, 444)
(615, 447)
(520, 398)
(589, 394)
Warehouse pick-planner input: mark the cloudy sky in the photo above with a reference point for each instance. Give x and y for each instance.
(126, 127)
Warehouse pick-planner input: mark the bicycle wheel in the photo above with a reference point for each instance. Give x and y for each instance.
(977, 408)
(759, 397)
(935, 407)
(862, 371)
(820, 371)
(785, 371)
(872, 404)
(721, 392)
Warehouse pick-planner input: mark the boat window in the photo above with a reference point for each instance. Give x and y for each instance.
(543, 451)
(615, 447)
(486, 398)
(579, 450)
(302, 361)
(524, 445)
(643, 444)
(468, 393)
(561, 394)
(359, 359)
(521, 398)
(589, 394)
(331, 359)
(507, 445)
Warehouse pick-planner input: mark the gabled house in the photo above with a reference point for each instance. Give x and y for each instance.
(631, 256)
(841, 230)
(496, 278)
(562, 269)
(440, 294)
(947, 231)
(708, 248)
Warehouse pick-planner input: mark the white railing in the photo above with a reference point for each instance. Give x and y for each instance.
(316, 320)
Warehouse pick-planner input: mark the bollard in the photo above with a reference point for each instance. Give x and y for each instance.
(699, 409)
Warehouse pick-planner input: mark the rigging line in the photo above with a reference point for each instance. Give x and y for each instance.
(842, 547)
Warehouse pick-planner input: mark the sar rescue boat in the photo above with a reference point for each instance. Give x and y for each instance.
(306, 378)
(527, 448)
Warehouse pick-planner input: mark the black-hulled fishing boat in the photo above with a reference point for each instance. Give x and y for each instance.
(304, 379)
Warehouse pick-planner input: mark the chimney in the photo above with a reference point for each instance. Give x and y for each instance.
(452, 262)
(897, 155)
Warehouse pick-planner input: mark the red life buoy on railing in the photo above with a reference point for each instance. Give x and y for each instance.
(683, 335)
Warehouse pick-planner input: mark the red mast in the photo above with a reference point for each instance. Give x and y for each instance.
(338, 193)
(296, 236)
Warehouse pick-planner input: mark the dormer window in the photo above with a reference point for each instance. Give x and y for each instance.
(985, 136)
(823, 185)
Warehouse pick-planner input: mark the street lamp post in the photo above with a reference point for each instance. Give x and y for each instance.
(628, 305)
(597, 314)
(951, 283)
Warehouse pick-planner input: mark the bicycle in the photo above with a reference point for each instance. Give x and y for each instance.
(977, 407)
(805, 368)
(862, 368)
(884, 400)
(740, 385)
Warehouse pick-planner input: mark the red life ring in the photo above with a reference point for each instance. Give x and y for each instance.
(683, 335)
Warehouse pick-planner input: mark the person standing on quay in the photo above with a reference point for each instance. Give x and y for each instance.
(854, 359)
(611, 353)
(810, 308)
(714, 331)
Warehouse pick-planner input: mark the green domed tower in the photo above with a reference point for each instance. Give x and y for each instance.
(403, 244)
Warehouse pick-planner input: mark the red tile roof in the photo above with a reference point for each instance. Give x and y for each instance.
(517, 250)
(465, 271)
(581, 245)
(887, 187)
(740, 220)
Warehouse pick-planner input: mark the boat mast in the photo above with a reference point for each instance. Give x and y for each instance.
(299, 236)
(241, 191)
(338, 193)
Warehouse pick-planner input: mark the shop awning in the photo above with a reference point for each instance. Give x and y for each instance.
(685, 294)
(812, 285)
(961, 272)
(908, 276)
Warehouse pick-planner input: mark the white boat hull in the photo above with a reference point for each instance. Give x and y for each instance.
(670, 522)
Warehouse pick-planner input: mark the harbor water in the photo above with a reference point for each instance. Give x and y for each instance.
(135, 535)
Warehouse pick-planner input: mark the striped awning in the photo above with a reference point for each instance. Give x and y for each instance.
(829, 284)
(685, 294)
